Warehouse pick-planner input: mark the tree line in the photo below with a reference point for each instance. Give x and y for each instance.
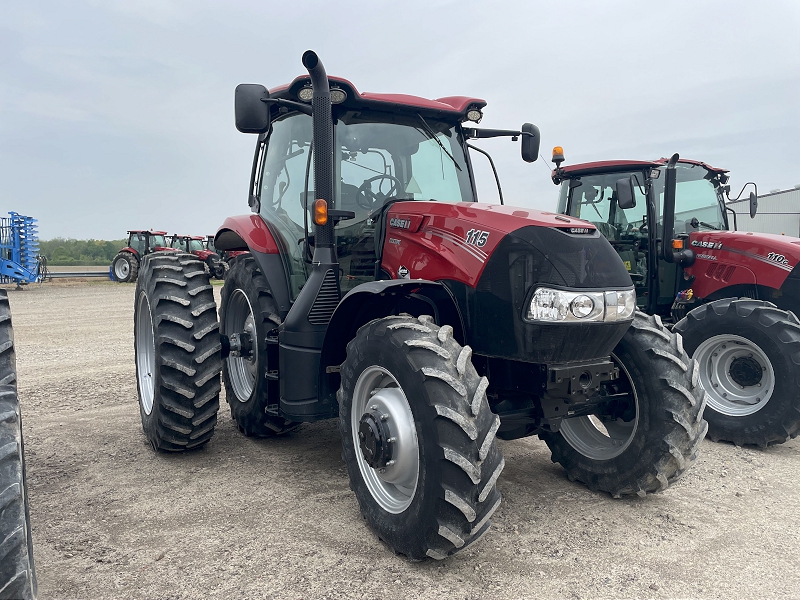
(66, 252)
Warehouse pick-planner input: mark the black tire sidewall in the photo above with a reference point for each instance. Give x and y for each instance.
(149, 421)
(787, 380)
(422, 511)
(240, 278)
(128, 258)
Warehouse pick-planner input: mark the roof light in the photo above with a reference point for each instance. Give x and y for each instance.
(306, 93)
(338, 96)
(320, 212)
(474, 115)
(558, 155)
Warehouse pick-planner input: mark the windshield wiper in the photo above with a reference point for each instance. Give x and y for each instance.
(432, 135)
(694, 222)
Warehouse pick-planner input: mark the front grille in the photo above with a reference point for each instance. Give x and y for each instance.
(326, 301)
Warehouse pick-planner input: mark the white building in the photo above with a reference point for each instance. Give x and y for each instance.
(778, 213)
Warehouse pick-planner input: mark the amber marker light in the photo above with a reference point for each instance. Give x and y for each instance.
(558, 155)
(320, 212)
(677, 244)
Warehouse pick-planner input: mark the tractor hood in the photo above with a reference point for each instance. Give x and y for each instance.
(436, 241)
(501, 218)
(768, 256)
(726, 258)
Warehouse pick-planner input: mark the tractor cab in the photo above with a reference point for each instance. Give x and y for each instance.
(589, 191)
(146, 241)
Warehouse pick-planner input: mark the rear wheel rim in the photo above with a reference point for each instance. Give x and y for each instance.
(601, 438)
(242, 371)
(122, 269)
(715, 356)
(395, 486)
(145, 354)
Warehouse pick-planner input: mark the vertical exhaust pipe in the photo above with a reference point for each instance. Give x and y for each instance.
(323, 144)
(668, 232)
(302, 334)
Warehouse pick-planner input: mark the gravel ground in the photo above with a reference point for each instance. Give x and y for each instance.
(275, 518)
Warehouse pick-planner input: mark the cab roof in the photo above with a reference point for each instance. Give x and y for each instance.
(148, 231)
(613, 166)
(450, 106)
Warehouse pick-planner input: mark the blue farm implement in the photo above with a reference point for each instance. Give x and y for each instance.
(19, 250)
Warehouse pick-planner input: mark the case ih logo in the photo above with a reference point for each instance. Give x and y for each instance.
(711, 245)
(400, 223)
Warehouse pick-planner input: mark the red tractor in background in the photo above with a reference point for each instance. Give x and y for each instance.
(732, 295)
(375, 289)
(141, 242)
(198, 245)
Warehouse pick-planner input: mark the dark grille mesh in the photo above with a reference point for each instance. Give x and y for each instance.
(326, 301)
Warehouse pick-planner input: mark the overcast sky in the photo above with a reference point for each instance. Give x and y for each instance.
(119, 115)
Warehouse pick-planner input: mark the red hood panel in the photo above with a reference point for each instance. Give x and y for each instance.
(499, 217)
(435, 240)
(721, 255)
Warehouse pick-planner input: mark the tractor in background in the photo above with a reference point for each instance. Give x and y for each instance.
(375, 289)
(198, 245)
(733, 296)
(141, 242)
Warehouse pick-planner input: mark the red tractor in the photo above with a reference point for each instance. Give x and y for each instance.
(198, 245)
(125, 265)
(375, 289)
(733, 296)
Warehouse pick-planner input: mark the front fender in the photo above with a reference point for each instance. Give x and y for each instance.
(375, 300)
(245, 232)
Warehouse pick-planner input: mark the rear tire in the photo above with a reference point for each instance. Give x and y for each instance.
(247, 306)
(125, 267)
(17, 571)
(439, 494)
(745, 406)
(176, 339)
(660, 440)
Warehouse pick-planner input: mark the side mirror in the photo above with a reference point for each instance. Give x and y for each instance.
(625, 193)
(530, 142)
(252, 114)
(753, 204)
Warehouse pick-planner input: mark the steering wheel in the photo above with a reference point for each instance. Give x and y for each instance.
(366, 198)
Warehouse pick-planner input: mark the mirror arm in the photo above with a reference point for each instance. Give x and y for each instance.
(303, 108)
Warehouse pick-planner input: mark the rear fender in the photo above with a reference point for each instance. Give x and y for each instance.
(375, 300)
(131, 250)
(245, 232)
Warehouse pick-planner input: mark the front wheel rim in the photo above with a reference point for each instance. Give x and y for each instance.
(394, 486)
(602, 439)
(714, 357)
(242, 371)
(145, 354)
(122, 269)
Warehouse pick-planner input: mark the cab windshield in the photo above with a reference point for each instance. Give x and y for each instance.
(379, 158)
(593, 198)
(195, 245)
(157, 240)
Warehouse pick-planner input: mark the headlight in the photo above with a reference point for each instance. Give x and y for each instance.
(561, 306)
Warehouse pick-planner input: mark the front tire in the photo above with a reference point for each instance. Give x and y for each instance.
(653, 436)
(177, 347)
(248, 308)
(17, 571)
(125, 267)
(748, 352)
(425, 472)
